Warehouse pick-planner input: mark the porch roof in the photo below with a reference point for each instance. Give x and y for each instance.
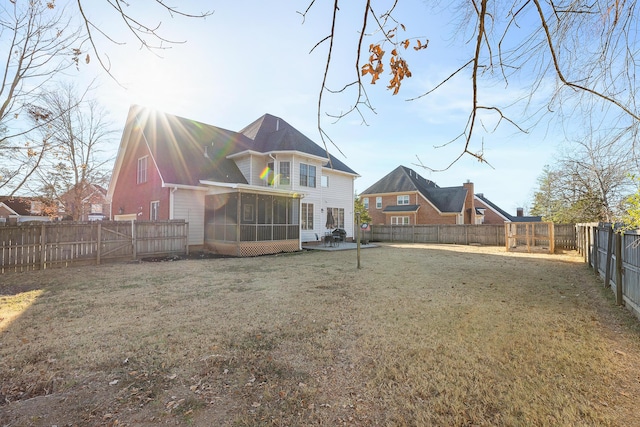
(246, 188)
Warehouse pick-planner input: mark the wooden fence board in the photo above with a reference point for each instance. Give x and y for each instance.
(622, 259)
(47, 245)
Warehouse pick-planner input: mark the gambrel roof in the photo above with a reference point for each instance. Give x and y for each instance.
(403, 179)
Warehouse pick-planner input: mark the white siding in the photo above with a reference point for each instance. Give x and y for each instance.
(244, 164)
(189, 205)
(339, 194)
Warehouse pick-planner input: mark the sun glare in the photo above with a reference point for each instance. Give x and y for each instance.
(13, 306)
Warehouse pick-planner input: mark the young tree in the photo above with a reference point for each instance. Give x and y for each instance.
(358, 206)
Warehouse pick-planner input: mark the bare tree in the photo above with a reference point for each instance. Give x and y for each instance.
(586, 49)
(39, 41)
(76, 137)
(589, 182)
(37, 44)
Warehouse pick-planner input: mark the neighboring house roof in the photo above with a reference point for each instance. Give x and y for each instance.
(270, 134)
(401, 208)
(18, 205)
(506, 215)
(403, 179)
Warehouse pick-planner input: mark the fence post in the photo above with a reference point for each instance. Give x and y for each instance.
(43, 246)
(607, 274)
(596, 242)
(99, 248)
(619, 300)
(186, 239)
(134, 241)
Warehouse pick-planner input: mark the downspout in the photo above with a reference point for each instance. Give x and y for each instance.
(275, 162)
(172, 202)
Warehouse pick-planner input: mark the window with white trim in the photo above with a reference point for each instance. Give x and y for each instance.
(307, 175)
(403, 200)
(324, 181)
(285, 173)
(306, 216)
(378, 202)
(338, 217)
(365, 202)
(399, 220)
(154, 211)
(142, 169)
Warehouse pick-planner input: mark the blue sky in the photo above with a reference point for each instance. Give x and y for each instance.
(253, 57)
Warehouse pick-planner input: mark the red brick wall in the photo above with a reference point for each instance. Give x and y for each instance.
(136, 198)
(469, 208)
(490, 216)
(427, 214)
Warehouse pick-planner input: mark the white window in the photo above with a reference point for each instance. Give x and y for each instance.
(96, 207)
(268, 173)
(154, 211)
(307, 175)
(285, 173)
(403, 200)
(324, 181)
(142, 170)
(378, 202)
(399, 220)
(307, 216)
(337, 214)
(365, 202)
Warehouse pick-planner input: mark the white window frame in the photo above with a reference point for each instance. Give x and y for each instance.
(143, 164)
(378, 202)
(324, 181)
(402, 200)
(306, 216)
(365, 202)
(154, 210)
(338, 217)
(284, 177)
(307, 179)
(399, 220)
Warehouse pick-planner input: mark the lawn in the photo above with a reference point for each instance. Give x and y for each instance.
(422, 335)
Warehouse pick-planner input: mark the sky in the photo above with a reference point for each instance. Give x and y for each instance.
(251, 57)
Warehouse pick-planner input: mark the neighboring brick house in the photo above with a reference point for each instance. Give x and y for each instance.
(89, 204)
(495, 215)
(403, 197)
(264, 189)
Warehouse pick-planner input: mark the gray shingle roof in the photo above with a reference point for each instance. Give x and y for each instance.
(502, 212)
(401, 208)
(271, 133)
(187, 151)
(403, 179)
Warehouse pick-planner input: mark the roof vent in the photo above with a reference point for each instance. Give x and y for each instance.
(206, 154)
(277, 125)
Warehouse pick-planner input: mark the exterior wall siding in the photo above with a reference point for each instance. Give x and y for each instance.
(189, 205)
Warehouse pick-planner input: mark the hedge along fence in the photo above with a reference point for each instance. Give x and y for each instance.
(614, 256)
(46, 245)
(482, 234)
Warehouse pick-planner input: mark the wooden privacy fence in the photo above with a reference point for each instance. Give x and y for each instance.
(483, 234)
(47, 245)
(615, 257)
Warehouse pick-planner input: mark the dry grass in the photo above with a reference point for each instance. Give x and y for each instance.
(422, 335)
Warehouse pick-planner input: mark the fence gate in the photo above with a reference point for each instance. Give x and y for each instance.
(529, 237)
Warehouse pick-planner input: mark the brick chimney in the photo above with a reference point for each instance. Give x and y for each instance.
(519, 212)
(469, 208)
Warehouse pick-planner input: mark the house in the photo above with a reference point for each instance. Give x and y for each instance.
(404, 197)
(265, 189)
(84, 203)
(16, 209)
(495, 215)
